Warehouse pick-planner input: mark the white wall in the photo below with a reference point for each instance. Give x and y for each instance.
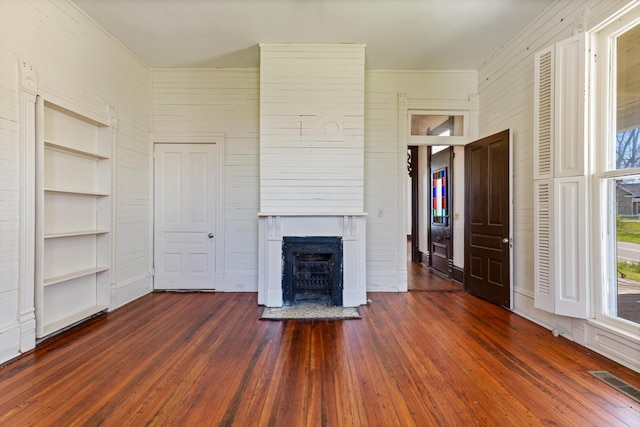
(506, 101)
(220, 101)
(79, 64)
(226, 101)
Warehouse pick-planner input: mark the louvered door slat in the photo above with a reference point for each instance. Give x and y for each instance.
(544, 296)
(543, 110)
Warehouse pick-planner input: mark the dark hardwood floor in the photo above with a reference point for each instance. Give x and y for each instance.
(425, 279)
(437, 357)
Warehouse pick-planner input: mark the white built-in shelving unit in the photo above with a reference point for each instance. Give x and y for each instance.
(73, 217)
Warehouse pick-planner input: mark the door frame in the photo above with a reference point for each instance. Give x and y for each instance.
(468, 107)
(511, 209)
(192, 138)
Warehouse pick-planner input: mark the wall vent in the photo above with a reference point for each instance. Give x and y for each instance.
(620, 385)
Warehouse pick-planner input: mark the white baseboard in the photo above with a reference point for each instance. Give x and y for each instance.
(240, 281)
(131, 289)
(619, 346)
(383, 282)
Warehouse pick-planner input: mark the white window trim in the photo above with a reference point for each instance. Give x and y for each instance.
(602, 226)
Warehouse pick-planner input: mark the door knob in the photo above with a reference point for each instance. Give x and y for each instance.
(505, 240)
(211, 235)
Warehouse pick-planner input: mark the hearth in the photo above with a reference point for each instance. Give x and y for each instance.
(312, 270)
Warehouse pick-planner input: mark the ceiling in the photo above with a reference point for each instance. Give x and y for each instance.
(399, 34)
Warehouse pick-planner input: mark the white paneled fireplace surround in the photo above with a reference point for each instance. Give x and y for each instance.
(311, 160)
(351, 228)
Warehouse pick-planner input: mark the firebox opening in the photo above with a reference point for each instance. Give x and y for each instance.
(312, 270)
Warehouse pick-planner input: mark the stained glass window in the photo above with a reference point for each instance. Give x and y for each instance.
(439, 197)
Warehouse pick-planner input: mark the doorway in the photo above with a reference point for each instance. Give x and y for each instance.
(423, 276)
(430, 241)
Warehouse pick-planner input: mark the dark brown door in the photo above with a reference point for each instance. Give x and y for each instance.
(486, 224)
(441, 246)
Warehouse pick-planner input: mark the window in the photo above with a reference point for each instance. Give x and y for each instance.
(617, 149)
(436, 125)
(431, 127)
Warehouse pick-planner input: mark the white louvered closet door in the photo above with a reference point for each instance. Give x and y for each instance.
(544, 119)
(560, 157)
(543, 275)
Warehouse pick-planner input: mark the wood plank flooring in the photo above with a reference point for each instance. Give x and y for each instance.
(437, 357)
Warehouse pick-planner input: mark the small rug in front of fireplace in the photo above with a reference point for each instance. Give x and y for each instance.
(310, 311)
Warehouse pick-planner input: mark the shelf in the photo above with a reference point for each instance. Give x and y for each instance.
(74, 275)
(75, 192)
(74, 218)
(70, 320)
(63, 149)
(75, 233)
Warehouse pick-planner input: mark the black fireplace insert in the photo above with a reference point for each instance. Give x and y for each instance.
(312, 270)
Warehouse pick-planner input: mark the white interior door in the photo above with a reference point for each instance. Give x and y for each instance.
(185, 187)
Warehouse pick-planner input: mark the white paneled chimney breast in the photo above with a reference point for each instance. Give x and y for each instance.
(312, 158)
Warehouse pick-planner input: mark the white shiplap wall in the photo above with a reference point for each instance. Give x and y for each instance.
(311, 128)
(82, 66)
(226, 102)
(220, 101)
(506, 101)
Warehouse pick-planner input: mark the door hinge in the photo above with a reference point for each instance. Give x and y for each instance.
(153, 272)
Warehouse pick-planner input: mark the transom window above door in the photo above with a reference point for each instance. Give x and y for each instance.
(436, 125)
(428, 127)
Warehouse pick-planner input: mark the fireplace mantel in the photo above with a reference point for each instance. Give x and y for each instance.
(272, 229)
